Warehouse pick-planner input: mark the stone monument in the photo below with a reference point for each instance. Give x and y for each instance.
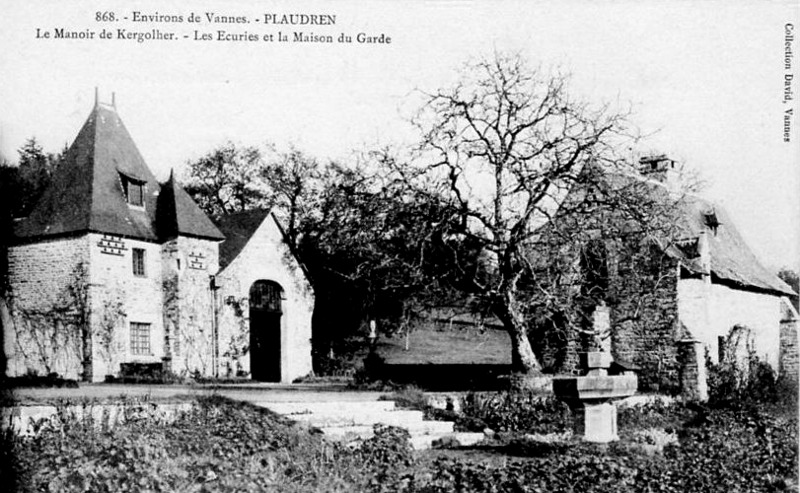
(591, 397)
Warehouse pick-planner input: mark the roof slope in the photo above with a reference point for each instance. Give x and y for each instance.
(732, 261)
(238, 228)
(178, 214)
(86, 192)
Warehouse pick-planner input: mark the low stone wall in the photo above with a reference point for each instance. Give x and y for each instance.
(30, 420)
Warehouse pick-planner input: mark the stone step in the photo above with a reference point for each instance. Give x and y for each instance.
(289, 409)
(402, 418)
(352, 421)
(363, 431)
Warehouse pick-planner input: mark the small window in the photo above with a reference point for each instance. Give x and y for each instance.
(134, 191)
(140, 339)
(138, 262)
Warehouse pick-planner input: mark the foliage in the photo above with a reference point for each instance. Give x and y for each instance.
(408, 397)
(668, 416)
(226, 180)
(372, 254)
(32, 379)
(226, 446)
(717, 451)
(219, 446)
(734, 451)
(741, 378)
(294, 180)
(57, 338)
(518, 411)
(35, 168)
(112, 313)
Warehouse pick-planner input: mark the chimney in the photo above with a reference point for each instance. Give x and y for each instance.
(659, 168)
(114, 100)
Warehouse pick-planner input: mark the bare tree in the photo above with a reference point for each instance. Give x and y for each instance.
(501, 148)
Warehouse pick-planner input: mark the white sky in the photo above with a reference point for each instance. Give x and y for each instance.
(708, 75)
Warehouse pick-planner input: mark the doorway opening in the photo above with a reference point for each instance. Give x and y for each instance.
(265, 331)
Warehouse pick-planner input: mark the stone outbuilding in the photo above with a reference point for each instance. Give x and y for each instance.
(672, 304)
(113, 270)
(266, 301)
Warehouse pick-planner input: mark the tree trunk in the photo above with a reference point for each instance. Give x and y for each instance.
(523, 360)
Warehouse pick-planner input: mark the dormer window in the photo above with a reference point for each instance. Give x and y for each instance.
(134, 190)
(711, 219)
(135, 194)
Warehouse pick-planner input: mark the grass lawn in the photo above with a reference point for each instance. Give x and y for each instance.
(463, 345)
(223, 445)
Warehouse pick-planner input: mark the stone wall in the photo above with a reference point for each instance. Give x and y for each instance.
(265, 257)
(638, 284)
(173, 293)
(120, 297)
(43, 337)
(189, 317)
(644, 316)
(789, 367)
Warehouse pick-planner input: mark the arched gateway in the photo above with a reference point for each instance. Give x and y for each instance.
(265, 331)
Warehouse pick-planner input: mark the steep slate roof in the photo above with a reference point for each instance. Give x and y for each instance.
(732, 261)
(86, 192)
(238, 228)
(178, 214)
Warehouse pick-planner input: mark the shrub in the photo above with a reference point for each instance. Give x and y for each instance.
(723, 451)
(221, 445)
(668, 416)
(518, 411)
(408, 397)
(389, 446)
(32, 379)
(734, 450)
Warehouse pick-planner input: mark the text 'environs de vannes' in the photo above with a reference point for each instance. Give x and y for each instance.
(217, 18)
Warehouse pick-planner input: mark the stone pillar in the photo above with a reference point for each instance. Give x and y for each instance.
(693, 376)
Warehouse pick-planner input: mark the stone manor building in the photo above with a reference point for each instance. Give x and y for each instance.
(114, 270)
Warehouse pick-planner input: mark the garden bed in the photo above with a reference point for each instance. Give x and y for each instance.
(222, 445)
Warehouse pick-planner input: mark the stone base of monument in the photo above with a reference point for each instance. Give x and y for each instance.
(596, 422)
(591, 398)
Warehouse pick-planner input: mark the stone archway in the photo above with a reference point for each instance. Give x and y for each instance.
(265, 331)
